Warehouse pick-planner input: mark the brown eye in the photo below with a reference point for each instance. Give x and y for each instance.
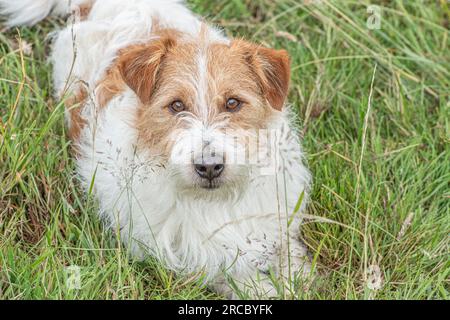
(177, 106)
(233, 105)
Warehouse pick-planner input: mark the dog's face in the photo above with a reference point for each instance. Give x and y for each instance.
(202, 104)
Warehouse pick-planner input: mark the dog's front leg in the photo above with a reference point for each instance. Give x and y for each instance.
(270, 271)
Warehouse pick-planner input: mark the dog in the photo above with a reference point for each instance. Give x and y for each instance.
(184, 136)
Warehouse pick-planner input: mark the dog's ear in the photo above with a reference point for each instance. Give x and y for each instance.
(139, 65)
(272, 67)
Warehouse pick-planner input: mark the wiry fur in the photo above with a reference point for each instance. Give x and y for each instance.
(243, 228)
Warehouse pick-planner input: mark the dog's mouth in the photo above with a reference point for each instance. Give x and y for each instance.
(210, 184)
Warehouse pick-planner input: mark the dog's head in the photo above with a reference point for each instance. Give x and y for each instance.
(202, 104)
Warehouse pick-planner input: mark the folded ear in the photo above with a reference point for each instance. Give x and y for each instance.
(139, 65)
(272, 68)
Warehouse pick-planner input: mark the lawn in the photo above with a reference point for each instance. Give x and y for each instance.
(372, 100)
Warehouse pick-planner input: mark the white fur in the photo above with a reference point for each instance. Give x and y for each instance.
(29, 12)
(242, 228)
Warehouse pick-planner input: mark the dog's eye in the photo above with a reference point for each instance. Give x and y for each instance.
(177, 106)
(233, 105)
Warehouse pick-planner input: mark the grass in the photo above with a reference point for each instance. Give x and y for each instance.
(374, 107)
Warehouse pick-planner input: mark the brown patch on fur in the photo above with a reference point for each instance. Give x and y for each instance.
(75, 105)
(231, 76)
(139, 64)
(135, 66)
(109, 87)
(272, 68)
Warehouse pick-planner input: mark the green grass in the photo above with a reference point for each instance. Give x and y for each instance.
(380, 157)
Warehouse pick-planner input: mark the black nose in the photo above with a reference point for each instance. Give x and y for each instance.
(209, 171)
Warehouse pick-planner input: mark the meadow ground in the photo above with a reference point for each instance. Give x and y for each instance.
(372, 99)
